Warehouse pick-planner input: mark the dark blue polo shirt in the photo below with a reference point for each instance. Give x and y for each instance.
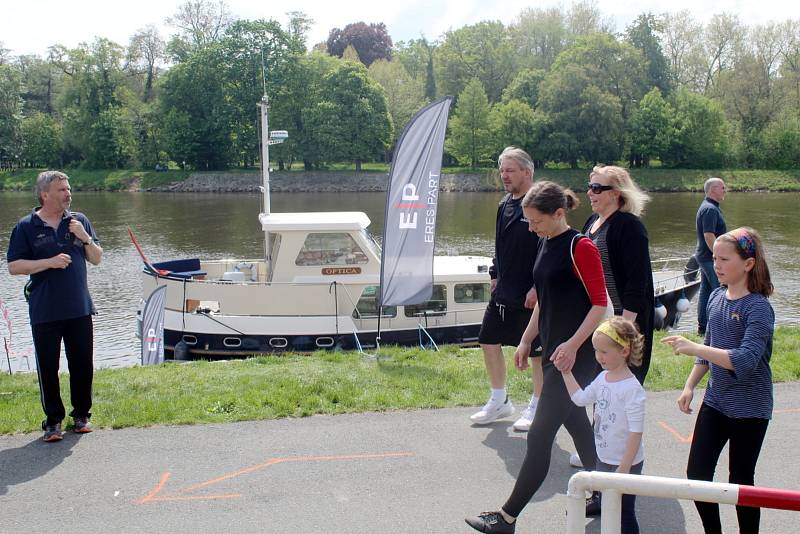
(56, 294)
(709, 219)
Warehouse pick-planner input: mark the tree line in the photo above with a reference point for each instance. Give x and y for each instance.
(561, 83)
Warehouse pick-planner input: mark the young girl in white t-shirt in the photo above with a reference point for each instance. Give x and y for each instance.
(619, 401)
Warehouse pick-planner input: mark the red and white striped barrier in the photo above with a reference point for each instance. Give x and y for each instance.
(614, 485)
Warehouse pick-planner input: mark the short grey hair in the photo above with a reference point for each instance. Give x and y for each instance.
(710, 183)
(44, 180)
(517, 154)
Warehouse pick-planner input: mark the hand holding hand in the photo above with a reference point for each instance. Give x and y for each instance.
(564, 357)
(493, 284)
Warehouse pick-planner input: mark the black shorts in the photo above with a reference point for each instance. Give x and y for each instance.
(503, 325)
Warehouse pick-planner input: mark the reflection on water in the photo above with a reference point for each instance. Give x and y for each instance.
(218, 226)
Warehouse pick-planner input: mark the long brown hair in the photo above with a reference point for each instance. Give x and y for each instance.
(748, 244)
(547, 197)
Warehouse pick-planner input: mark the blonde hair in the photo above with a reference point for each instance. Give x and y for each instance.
(630, 333)
(631, 198)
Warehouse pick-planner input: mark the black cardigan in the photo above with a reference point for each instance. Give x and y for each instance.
(629, 255)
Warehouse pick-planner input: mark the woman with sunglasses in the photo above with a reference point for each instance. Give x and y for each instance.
(615, 227)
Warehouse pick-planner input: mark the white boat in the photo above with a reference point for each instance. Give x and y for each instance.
(319, 294)
(675, 283)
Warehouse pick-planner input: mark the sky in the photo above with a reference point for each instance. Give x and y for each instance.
(30, 26)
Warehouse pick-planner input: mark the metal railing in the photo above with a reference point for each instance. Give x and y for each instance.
(614, 485)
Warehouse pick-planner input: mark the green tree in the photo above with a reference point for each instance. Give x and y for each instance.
(651, 129)
(781, 142)
(352, 122)
(539, 36)
(240, 54)
(482, 51)
(701, 132)
(404, 95)
(642, 34)
(197, 110)
(292, 103)
(93, 76)
(200, 23)
(615, 67)
(112, 142)
(41, 135)
(469, 140)
(10, 113)
(514, 123)
(586, 121)
(145, 51)
(416, 56)
(525, 87)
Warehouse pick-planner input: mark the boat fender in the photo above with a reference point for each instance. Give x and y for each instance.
(682, 305)
(661, 310)
(181, 351)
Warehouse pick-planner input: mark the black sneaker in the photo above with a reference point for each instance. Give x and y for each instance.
(52, 433)
(593, 504)
(82, 425)
(492, 522)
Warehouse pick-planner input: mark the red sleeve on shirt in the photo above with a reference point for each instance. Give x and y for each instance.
(587, 258)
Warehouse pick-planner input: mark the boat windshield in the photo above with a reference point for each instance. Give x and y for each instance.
(371, 242)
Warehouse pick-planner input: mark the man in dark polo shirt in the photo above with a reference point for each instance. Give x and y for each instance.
(52, 246)
(710, 224)
(513, 298)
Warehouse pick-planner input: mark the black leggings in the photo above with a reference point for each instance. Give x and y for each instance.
(78, 347)
(711, 431)
(555, 409)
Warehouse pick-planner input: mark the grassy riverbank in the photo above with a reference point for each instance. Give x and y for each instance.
(321, 383)
(656, 179)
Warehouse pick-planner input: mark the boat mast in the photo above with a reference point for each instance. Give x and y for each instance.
(264, 105)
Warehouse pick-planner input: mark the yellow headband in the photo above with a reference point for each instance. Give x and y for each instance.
(606, 328)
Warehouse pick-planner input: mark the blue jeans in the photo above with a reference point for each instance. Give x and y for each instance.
(708, 283)
(629, 523)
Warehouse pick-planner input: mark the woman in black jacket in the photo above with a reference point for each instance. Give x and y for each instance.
(615, 227)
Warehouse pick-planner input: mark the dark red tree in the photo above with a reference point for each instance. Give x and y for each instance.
(371, 41)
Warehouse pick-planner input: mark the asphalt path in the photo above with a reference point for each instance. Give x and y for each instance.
(396, 472)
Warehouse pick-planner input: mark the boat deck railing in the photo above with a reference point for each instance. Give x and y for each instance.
(673, 274)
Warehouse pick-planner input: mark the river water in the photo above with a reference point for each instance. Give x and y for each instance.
(215, 226)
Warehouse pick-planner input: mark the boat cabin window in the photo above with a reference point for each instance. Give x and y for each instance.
(330, 249)
(469, 293)
(436, 306)
(367, 307)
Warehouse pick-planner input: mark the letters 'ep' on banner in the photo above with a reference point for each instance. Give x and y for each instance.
(153, 327)
(411, 204)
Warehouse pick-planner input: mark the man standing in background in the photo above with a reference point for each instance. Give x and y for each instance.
(513, 298)
(52, 246)
(710, 224)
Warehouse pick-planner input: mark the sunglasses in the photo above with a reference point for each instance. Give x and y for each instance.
(596, 188)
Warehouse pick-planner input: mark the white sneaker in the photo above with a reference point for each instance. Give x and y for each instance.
(523, 424)
(492, 412)
(575, 460)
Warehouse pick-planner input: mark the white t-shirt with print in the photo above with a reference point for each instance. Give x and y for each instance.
(619, 410)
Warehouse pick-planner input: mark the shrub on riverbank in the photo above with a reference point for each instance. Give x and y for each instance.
(294, 385)
(657, 179)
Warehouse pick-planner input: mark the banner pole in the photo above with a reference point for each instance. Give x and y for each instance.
(8, 358)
